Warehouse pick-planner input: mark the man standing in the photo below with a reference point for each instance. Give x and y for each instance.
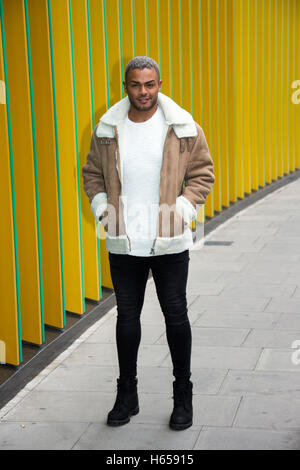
(147, 173)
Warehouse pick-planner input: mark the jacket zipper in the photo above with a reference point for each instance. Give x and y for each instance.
(152, 249)
(129, 242)
(116, 158)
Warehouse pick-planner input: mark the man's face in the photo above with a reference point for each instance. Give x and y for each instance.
(142, 87)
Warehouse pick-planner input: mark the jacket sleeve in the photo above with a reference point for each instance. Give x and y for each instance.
(93, 179)
(199, 176)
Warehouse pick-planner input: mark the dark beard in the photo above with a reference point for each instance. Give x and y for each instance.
(139, 108)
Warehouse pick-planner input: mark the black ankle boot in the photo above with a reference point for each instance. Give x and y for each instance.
(126, 403)
(182, 415)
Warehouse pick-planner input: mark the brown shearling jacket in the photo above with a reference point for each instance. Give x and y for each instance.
(187, 177)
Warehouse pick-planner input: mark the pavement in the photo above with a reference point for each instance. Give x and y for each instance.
(244, 309)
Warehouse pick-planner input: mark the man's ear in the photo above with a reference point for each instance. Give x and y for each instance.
(125, 88)
(160, 84)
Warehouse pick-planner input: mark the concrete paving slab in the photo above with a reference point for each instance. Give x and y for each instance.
(291, 305)
(138, 437)
(292, 278)
(213, 438)
(265, 277)
(269, 412)
(248, 288)
(240, 224)
(204, 255)
(292, 228)
(258, 382)
(75, 377)
(217, 357)
(238, 246)
(285, 246)
(231, 304)
(295, 269)
(251, 258)
(280, 359)
(211, 318)
(207, 266)
(288, 322)
(241, 229)
(265, 217)
(271, 339)
(204, 288)
(278, 267)
(40, 436)
(61, 406)
(296, 294)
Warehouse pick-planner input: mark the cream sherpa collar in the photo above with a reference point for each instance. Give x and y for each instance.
(182, 121)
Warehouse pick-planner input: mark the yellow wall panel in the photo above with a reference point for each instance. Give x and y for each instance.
(206, 80)
(99, 101)
(274, 88)
(215, 101)
(246, 95)
(9, 316)
(24, 172)
(279, 93)
(261, 92)
(98, 59)
(140, 27)
(111, 22)
(186, 56)
(165, 59)
(127, 32)
(80, 30)
(46, 163)
(113, 64)
(197, 74)
(285, 86)
(297, 77)
(291, 106)
(68, 161)
(176, 52)
(267, 96)
(223, 97)
(238, 85)
(153, 30)
(254, 94)
(231, 103)
(205, 68)
(197, 61)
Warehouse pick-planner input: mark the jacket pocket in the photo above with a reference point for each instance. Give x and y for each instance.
(185, 209)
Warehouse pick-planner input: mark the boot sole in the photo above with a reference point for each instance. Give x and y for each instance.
(180, 427)
(118, 422)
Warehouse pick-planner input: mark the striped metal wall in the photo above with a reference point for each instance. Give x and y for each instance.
(234, 64)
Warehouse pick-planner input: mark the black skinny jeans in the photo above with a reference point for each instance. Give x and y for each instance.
(129, 276)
